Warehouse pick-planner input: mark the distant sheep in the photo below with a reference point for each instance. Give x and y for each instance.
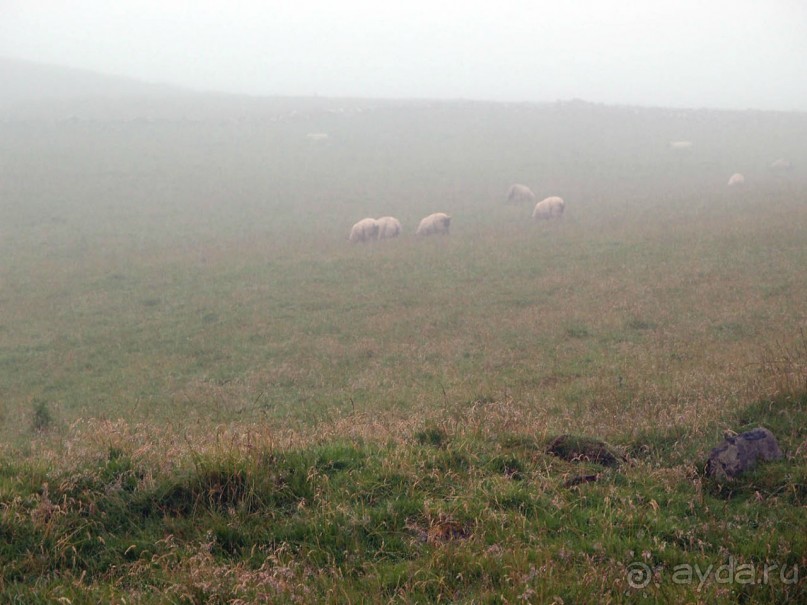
(736, 180)
(782, 165)
(520, 193)
(388, 227)
(366, 230)
(681, 145)
(437, 223)
(551, 207)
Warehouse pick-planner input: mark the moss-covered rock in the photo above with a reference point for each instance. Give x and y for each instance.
(584, 449)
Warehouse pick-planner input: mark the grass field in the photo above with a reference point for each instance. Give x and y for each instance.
(207, 394)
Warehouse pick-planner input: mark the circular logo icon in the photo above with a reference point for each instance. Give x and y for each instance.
(639, 575)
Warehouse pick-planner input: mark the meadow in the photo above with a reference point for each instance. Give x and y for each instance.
(208, 395)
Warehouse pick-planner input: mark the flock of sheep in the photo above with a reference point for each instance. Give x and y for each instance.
(780, 165)
(439, 223)
(551, 207)
(386, 227)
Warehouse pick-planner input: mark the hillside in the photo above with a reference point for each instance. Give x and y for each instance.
(26, 81)
(210, 396)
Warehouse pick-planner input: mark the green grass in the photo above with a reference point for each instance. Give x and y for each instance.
(207, 394)
(258, 522)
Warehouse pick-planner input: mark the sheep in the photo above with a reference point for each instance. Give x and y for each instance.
(782, 165)
(736, 180)
(388, 227)
(681, 145)
(365, 230)
(437, 223)
(551, 207)
(520, 193)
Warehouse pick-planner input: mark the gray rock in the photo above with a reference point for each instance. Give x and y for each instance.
(739, 453)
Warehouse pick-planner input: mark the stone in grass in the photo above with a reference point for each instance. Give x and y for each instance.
(739, 453)
(584, 449)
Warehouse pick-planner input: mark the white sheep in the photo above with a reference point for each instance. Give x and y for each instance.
(782, 165)
(736, 180)
(437, 223)
(681, 145)
(388, 227)
(520, 193)
(365, 230)
(551, 207)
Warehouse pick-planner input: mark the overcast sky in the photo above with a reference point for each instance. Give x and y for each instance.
(690, 53)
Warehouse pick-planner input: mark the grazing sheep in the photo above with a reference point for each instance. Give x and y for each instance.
(437, 223)
(388, 227)
(520, 193)
(366, 230)
(551, 207)
(782, 165)
(736, 180)
(681, 145)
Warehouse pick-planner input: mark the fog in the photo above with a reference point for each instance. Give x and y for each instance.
(733, 54)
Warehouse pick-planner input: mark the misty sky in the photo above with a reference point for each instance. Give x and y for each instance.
(692, 53)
